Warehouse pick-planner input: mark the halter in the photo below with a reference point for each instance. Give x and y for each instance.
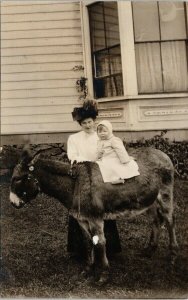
(73, 172)
(30, 176)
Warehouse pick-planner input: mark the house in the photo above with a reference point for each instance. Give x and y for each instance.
(131, 55)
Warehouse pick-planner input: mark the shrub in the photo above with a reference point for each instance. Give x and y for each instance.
(177, 151)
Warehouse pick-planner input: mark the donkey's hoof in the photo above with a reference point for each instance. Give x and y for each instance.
(173, 259)
(88, 272)
(173, 255)
(103, 279)
(149, 251)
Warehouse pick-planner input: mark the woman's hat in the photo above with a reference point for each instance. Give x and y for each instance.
(88, 110)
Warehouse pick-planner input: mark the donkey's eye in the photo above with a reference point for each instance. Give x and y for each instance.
(17, 179)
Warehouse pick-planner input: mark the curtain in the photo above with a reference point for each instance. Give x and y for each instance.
(148, 64)
(174, 63)
(161, 67)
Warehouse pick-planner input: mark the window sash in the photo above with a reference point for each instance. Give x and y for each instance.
(105, 50)
(161, 63)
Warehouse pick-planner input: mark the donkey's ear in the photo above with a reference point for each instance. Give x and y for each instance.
(26, 156)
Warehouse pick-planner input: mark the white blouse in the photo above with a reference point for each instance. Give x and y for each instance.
(82, 146)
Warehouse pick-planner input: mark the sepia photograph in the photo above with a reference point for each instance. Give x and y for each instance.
(94, 149)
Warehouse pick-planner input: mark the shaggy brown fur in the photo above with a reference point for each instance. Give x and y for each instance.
(91, 200)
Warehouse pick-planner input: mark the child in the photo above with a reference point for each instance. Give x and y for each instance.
(114, 162)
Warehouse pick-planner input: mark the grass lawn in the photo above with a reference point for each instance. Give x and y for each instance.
(35, 262)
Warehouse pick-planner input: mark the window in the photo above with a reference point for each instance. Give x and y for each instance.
(160, 46)
(137, 47)
(105, 49)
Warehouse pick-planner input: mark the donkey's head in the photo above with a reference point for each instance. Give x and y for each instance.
(24, 185)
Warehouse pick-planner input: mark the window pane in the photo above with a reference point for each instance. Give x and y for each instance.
(97, 26)
(148, 64)
(106, 53)
(115, 60)
(172, 20)
(111, 24)
(102, 65)
(146, 21)
(108, 86)
(108, 62)
(174, 66)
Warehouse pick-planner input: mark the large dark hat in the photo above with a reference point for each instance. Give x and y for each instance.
(88, 110)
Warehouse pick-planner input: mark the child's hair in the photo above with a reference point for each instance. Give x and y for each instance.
(100, 127)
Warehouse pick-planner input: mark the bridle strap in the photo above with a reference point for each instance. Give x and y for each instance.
(73, 172)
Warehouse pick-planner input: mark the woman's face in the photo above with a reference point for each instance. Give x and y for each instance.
(88, 125)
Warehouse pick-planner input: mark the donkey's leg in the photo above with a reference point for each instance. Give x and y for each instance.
(99, 241)
(170, 223)
(89, 246)
(166, 211)
(154, 237)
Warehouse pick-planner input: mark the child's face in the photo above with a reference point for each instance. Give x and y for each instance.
(102, 132)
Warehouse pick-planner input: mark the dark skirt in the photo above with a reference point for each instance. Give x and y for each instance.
(76, 241)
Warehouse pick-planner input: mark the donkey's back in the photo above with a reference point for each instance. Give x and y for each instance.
(137, 193)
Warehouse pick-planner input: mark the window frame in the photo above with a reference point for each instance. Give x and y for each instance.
(128, 59)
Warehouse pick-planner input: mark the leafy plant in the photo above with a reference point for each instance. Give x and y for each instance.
(81, 83)
(177, 151)
(81, 86)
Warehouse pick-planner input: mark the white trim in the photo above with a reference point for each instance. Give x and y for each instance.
(88, 2)
(146, 96)
(127, 48)
(86, 48)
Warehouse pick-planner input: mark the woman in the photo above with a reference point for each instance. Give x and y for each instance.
(82, 146)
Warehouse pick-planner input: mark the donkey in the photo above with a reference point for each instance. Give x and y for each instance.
(81, 190)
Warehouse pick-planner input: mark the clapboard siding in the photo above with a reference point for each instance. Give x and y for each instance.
(30, 110)
(36, 17)
(42, 25)
(38, 84)
(68, 100)
(66, 49)
(41, 45)
(37, 67)
(36, 42)
(38, 93)
(17, 60)
(37, 7)
(48, 127)
(16, 3)
(22, 34)
(19, 77)
(33, 118)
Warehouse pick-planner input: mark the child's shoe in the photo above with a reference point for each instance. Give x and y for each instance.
(119, 181)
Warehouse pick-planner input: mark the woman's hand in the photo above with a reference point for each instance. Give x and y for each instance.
(100, 154)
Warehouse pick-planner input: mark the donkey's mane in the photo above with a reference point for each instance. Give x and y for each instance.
(81, 175)
(54, 166)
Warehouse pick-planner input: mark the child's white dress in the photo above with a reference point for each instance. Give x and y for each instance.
(115, 162)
